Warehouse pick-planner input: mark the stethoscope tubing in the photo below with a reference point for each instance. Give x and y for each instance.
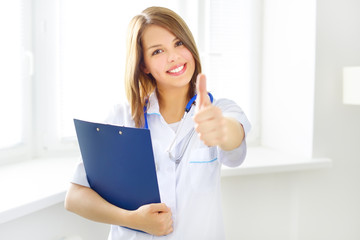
(187, 109)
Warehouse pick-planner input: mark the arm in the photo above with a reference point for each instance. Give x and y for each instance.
(213, 128)
(234, 134)
(152, 218)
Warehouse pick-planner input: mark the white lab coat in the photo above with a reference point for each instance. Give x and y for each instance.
(191, 188)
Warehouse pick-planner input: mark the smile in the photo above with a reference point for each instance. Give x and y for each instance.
(178, 70)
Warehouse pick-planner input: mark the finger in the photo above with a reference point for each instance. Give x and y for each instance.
(160, 207)
(206, 127)
(203, 98)
(206, 114)
(212, 138)
(170, 230)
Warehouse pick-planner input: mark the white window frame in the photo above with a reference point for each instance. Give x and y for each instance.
(48, 29)
(40, 136)
(203, 33)
(46, 45)
(47, 81)
(24, 149)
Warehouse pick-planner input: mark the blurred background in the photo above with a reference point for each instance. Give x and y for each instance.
(285, 62)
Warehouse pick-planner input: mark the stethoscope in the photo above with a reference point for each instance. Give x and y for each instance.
(187, 110)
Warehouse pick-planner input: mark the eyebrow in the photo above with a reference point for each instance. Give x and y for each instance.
(159, 45)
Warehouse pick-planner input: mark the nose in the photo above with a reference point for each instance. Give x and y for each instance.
(172, 55)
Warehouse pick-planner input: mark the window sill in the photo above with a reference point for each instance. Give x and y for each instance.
(262, 160)
(30, 186)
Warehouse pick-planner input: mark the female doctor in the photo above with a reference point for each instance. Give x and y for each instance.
(163, 74)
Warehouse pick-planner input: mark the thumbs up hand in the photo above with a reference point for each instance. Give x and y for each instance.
(203, 98)
(210, 123)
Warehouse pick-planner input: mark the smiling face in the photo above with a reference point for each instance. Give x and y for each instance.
(166, 58)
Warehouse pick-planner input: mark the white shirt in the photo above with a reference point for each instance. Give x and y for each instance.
(191, 188)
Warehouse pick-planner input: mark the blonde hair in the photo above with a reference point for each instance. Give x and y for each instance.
(139, 85)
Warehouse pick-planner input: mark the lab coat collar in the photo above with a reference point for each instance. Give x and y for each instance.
(153, 105)
(153, 108)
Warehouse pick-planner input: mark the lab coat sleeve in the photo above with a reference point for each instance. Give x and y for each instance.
(79, 176)
(234, 157)
(120, 115)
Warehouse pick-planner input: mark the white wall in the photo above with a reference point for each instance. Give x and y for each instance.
(53, 223)
(330, 201)
(314, 205)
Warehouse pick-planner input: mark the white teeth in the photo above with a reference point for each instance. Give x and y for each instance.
(176, 70)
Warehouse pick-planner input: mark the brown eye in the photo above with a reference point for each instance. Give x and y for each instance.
(179, 43)
(157, 52)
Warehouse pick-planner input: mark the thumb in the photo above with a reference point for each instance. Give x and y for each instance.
(202, 94)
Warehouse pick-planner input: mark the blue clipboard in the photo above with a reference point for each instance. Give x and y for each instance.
(119, 163)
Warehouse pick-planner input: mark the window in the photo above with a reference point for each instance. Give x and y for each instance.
(79, 54)
(231, 49)
(11, 89)
(93, 53)
(93, 57)
(288, 69)
(15, 71)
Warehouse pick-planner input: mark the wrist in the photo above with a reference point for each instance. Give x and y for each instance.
(234, 135)
(124, 218)
(132, 219)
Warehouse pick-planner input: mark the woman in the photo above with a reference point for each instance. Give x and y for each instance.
(163, 73)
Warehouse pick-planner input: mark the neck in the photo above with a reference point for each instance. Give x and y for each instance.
(172, 103)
